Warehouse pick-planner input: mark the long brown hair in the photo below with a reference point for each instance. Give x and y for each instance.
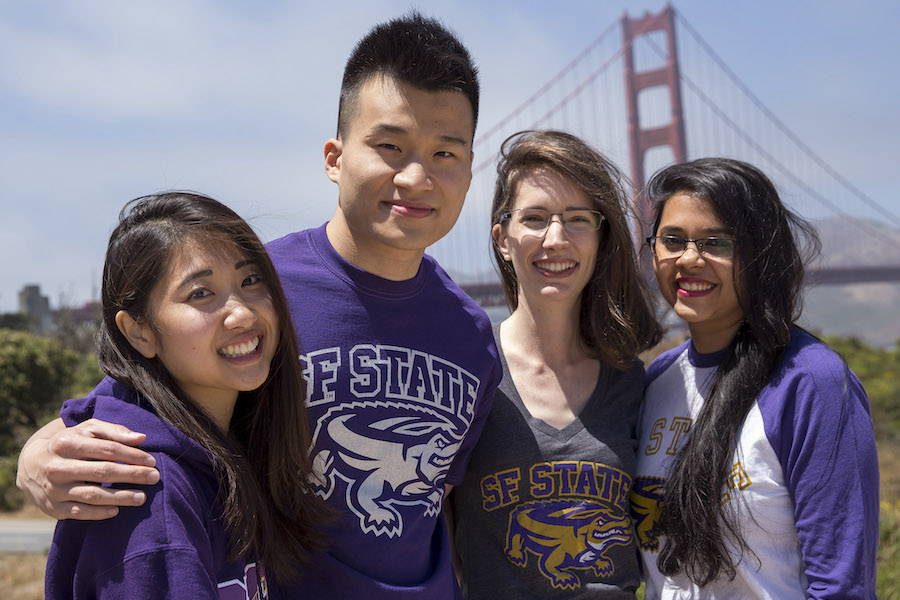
(617, 319)
(262, 462)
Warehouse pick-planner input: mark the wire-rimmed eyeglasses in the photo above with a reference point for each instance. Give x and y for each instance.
(537, 220)
(673, 246)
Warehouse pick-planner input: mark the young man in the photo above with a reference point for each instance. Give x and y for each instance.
(400, 364)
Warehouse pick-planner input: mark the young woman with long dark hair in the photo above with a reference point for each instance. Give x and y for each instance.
(757, 467)
(200, 355)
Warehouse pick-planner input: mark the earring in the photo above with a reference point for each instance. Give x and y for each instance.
(507, 257)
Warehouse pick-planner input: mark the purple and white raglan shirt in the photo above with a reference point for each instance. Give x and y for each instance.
(804, 485)
(174, 546)
(400, 376)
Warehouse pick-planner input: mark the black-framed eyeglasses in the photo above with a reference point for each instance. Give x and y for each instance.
(537, 220)
(673, 246)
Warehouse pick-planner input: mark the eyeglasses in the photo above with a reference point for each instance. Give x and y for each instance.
(537, 220)
(673, 246)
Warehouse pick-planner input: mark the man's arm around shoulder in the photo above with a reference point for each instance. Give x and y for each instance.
(60, 468)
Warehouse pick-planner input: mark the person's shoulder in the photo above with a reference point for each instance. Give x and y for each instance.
(114, 402)
(438, 277)
(286, 243)
(110, 401)
(175, 521)
(628, 383)
(807, 356)
(187, 480)
(661, 363)
(440, 282)
(181, 489)
(299, 258)
(811, 377)
(630, 374)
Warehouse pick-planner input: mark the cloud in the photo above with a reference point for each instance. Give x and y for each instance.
(102, 101)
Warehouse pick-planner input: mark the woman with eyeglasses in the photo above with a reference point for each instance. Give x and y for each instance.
(543, 511)
(757, 468)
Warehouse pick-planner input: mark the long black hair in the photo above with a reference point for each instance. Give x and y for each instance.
(617, 320)
(772, 245)
(262, 463)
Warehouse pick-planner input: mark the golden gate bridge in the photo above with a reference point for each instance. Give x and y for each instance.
(649, 91)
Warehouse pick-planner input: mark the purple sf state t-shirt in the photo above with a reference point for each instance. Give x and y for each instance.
(400, 377)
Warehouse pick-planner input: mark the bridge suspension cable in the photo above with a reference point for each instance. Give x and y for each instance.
(884, 212)
(531, 100)
(723, 117)
(763, 151)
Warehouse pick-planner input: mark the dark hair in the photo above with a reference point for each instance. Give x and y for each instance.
(263, 462)
(768, 269)
(411, 49)
(617, 319)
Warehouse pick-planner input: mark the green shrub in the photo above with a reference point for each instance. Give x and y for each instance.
(10, 496)
(879, 371)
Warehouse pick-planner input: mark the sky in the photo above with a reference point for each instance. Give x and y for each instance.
(102, 101)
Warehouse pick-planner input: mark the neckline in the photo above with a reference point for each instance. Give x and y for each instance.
(570, 429)
(702, 361)
(363, 281)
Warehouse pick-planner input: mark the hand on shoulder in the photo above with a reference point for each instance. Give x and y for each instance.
(59, 469)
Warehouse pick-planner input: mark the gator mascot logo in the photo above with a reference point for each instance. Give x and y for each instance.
(252, 587)
(566, 535)
(401, 459)
(646, 500)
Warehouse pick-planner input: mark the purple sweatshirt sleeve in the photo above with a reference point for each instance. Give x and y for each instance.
(159, 550)
(161, 574)
(816, 415)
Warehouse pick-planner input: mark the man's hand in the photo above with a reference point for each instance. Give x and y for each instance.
(59, 468)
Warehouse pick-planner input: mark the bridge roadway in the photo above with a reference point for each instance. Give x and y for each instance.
(491, 294)
(845, 275)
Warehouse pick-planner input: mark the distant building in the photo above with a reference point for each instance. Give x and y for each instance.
(87, 315)
(36, 306)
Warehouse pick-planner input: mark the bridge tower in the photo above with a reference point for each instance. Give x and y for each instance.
(642, 139)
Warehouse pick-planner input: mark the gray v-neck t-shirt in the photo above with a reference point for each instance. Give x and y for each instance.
(543, 512)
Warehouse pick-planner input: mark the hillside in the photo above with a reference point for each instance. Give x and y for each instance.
(870, 312)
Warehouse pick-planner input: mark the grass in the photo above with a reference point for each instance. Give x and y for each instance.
(889, 544)
(22, 575)
(889, 552)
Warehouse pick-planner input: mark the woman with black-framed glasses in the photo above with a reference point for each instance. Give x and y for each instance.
(757, 470)
(543, 510)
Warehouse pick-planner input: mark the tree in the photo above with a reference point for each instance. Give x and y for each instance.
(17, 321)
(36, 376)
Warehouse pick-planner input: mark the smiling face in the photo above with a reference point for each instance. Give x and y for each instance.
(700, 288)
(557, 264)
(403, 170)
(213, 326)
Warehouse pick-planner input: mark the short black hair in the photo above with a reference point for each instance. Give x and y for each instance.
(411, 49)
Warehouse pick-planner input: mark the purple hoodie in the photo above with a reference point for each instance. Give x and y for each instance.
(174, 546)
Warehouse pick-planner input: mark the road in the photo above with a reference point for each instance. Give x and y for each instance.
(26, 535)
